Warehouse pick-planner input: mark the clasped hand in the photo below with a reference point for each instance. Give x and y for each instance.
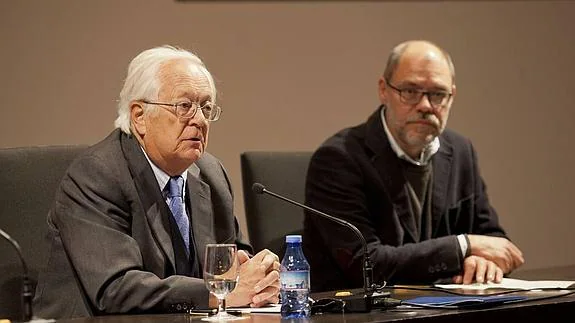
(490, 259)
(478, 269)
(499, 250)
(259, 282)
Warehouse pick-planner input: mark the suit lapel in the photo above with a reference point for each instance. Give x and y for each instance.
(441, 174)
(155, 208)
(388, 166)
(201, 206)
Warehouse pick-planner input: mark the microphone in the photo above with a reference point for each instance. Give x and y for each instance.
(368, 285)
(26, 283)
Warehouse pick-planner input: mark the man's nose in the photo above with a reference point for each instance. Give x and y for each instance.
(198, 119)
(424, 104)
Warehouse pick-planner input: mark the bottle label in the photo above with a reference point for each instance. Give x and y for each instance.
(297, 279)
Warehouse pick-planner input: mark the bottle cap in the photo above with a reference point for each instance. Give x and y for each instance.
(293, 238)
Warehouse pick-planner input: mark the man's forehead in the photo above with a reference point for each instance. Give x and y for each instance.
(422, 62)
(184, 75)
(181, 67)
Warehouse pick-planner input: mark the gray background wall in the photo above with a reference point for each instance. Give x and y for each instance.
(292, 73)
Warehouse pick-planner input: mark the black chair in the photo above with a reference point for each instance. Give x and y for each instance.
(269, 220)
(29, 177)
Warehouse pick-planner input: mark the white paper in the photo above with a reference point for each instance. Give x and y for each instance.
(272, 308)
(510, 283)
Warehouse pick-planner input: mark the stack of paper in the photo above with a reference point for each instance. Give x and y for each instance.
(510, 283)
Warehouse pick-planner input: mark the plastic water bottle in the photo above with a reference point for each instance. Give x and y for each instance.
(294, 280)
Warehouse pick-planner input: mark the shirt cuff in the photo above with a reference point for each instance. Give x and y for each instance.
(464, 245)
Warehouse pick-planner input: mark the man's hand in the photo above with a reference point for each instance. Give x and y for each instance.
(499, 250)
(259, 283)
(480, 270)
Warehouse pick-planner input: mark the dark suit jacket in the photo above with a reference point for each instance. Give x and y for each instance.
(356, 176)
(111, 250)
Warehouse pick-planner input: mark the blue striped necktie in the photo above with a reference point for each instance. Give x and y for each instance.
(175, 193)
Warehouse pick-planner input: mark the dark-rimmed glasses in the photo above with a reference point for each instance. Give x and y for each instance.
(188, 109)
(437, 99)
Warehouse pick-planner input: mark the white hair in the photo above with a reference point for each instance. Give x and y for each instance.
(142, 79)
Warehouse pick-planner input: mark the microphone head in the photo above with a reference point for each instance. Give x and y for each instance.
(258, 188)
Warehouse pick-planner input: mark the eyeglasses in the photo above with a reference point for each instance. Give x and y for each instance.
(188, 109)
(437, 99)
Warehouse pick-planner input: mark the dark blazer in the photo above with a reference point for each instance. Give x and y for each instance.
(111, 250)
(356, 176)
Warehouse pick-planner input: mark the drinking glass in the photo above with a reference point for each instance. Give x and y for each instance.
(221, 272)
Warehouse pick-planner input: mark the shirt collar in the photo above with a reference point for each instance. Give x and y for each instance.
(161, 176)
(426, 154)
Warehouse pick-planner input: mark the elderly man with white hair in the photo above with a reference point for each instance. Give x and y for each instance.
(121, 240)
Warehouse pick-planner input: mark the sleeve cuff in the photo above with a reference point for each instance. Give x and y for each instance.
(464, 245)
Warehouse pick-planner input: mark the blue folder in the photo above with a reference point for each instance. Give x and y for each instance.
(463, 301)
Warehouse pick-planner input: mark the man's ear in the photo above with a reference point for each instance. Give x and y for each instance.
(382, 86)
(453, 92)
(137, 118)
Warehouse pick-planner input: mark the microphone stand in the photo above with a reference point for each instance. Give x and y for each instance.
(368, 285)
(26, 283)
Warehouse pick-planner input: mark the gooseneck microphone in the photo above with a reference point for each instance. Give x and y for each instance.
(368, 285)
(26, 283)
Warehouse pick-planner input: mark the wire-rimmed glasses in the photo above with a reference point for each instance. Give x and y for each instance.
(437, 99)
(188, 109)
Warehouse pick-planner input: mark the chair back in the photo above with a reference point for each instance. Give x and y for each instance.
(269, 220)
(29, 177)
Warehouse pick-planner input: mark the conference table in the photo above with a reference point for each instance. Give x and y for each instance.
(548, 306)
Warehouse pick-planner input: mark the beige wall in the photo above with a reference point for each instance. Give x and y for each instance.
(291, 74)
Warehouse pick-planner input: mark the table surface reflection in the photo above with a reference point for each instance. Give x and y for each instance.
(542, 309)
